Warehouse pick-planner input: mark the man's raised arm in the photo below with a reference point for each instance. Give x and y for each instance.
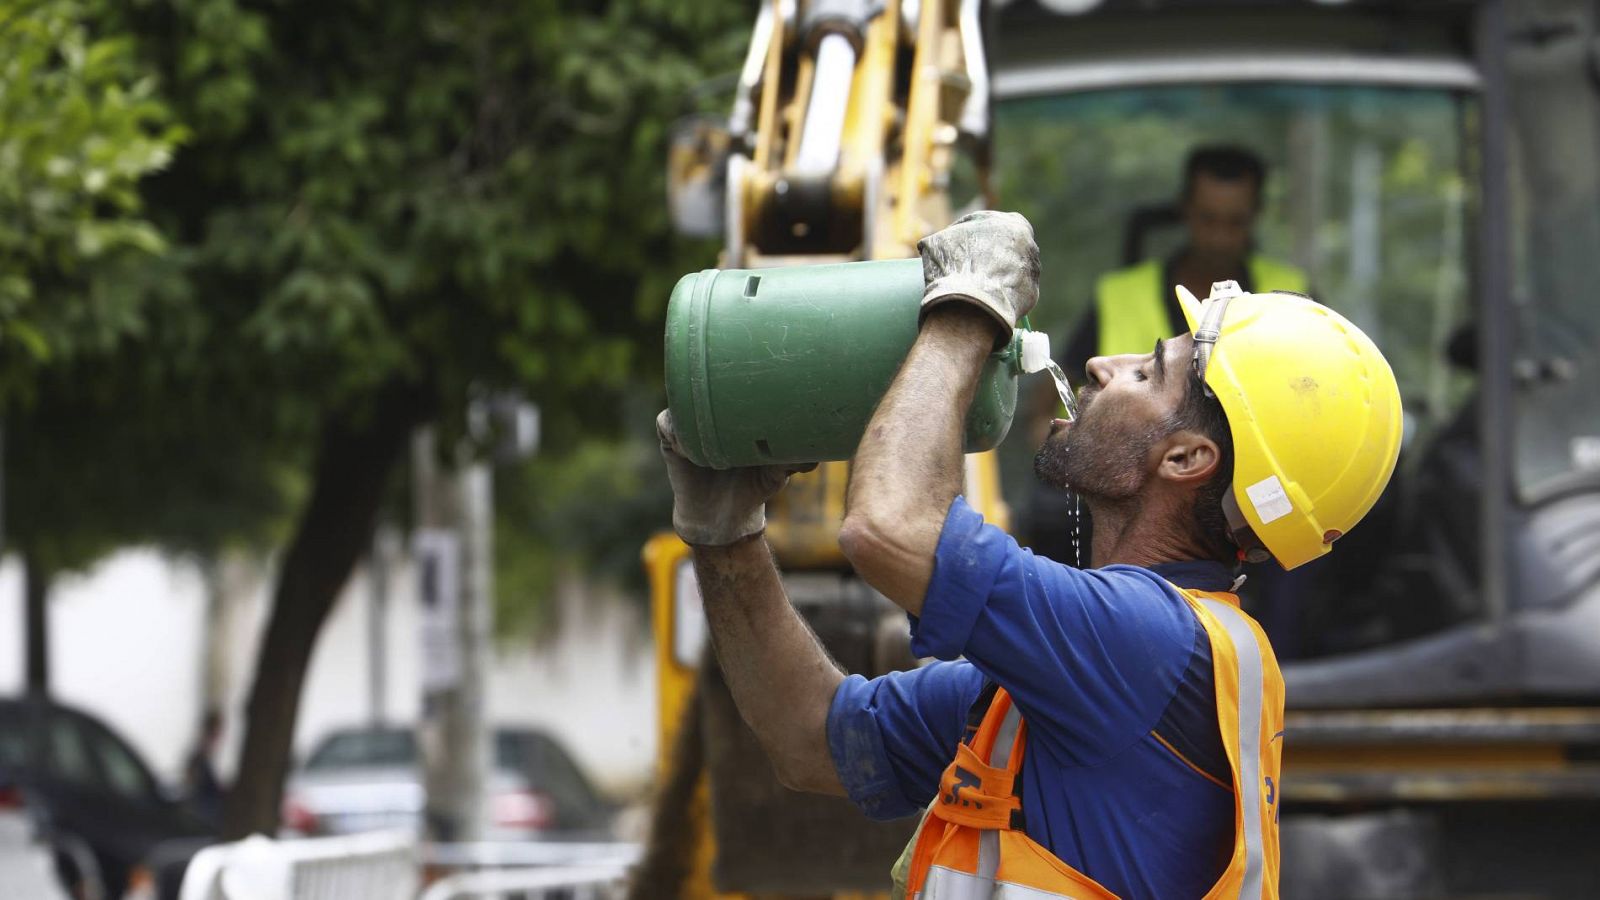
(982, 276)
(781, 679)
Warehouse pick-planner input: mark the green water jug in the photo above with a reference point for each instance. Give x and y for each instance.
(786, 365)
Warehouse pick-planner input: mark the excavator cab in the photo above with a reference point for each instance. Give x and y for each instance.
(1420, 175)
(1435, 169)
(1366, 192)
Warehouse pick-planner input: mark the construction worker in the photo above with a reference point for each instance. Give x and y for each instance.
(1219, 202)
(1110, 731)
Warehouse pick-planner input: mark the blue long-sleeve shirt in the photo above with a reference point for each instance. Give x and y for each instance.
(1124, 777)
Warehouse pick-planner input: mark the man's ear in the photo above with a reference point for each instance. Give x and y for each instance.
(1189, 457)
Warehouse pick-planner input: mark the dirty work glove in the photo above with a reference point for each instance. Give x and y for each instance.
(985, 258)
(712, 508)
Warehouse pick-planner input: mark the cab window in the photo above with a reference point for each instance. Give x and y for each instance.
(1368, 192)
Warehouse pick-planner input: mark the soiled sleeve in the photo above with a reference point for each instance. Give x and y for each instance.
(892, 736)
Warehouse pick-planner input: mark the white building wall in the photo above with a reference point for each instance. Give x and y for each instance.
(123, 640)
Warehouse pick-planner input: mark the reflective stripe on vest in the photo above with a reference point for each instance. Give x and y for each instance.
(1248, 656)
(948, 884)
(1132, 304)
(970, 846)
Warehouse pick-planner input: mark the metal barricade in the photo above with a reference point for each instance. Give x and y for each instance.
(530, 871)
(377, 866)
(574, 883)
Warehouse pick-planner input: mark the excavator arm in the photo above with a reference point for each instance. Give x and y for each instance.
(847, 121)
(846, 124)
(848, 118)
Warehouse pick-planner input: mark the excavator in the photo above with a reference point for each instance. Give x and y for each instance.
(1435, 168)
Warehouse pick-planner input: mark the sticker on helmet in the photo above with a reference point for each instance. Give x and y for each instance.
(1269, 499)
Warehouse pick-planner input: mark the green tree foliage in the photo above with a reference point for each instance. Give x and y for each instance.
(385, 207)
(453, 195)
(586, 510)
(378, 211)
(81, 122)
(95, 439)
(96, 463)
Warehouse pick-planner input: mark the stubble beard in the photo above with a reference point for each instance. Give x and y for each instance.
(1097, 463)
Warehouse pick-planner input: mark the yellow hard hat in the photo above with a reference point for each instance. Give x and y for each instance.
(1313, 408)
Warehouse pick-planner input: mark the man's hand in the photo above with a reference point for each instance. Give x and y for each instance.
(712, 508)
(986, 258)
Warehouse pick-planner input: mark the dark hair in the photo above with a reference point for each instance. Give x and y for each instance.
(1204, 415)
(1227, 162)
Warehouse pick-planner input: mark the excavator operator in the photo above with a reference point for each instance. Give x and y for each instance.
(1096, 732)
(1219, 203)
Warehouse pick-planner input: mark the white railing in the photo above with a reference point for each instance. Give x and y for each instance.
(576, 882)
(377, 866)
(504, 854)
(527, 871)
(385, 866)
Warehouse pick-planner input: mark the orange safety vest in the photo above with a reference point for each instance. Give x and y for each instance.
(970, 846)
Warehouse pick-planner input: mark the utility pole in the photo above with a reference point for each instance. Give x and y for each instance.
(454, 532)
(213, 673)
(380, 560)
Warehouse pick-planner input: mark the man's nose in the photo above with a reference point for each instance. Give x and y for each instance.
(1099, 370)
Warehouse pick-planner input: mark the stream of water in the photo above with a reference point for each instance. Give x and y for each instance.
(1069, 399)
(1069, 402)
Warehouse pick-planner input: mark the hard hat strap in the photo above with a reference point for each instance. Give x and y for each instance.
(1239, 530)
(1205, 337)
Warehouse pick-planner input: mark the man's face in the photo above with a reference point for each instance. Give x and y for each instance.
(1123, 411)
(1220, 214)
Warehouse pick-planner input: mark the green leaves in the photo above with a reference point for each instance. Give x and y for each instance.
(467, 191)
(81, 123)
(222, 224)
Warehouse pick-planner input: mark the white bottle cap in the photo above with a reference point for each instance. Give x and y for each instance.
(1035, 350)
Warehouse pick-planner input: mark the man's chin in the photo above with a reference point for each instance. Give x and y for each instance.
(1049, 467)
(1050, 460)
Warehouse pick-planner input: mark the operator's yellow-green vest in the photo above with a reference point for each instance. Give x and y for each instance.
(1132, 304)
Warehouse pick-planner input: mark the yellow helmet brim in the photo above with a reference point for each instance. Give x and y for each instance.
(1191, 307)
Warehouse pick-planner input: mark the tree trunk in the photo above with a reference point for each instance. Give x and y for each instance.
(353, 464)
(36, 594)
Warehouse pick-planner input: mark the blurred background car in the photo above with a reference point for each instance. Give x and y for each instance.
(370, 778)
(93, 799)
